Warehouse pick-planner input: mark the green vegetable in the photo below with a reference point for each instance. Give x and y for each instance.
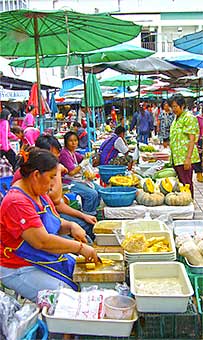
(168, 172)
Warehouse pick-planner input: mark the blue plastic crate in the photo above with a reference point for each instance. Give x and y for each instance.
(5, 183)
(107, 171)
(118, 196)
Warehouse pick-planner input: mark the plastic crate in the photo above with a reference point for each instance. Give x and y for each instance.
(169, 326)
(5, 183)
(38, 332)
(199, 298)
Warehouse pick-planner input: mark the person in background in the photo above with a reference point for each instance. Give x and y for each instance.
(29, 120)
(114, 115)
(75, 163)
(165, 119)
(144, 124)
(198, 167)
(109, 125)
(82, 135)
(110, 148)
(31, 228)
(155, 113)
(184, 133)
(27, 136)
(5, 135)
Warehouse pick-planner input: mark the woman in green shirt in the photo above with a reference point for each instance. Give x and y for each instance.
(184, 134)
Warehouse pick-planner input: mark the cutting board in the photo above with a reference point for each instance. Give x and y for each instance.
(114, 272)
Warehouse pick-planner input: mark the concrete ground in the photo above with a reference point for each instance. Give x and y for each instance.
(198, 199)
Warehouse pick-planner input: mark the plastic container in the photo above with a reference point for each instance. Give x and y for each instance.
(118, 196)
(107, 171)
(104, 232)
(101, 327)
(189, 226)
(5, 183)
(141, 225)
(119, 307)
(156, 303)
(194, 269)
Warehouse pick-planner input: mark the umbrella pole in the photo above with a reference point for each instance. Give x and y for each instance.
(38, 73)
(139, 82)
(86, 104)
(124, 105)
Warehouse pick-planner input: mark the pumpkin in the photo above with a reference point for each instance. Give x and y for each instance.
(148, 186)
(149, 200)
(176, 186)
(185, 188)
(178, 198)
(166, 186)
(126, 181)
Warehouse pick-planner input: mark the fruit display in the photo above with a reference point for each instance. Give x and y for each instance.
(166, 186)
(147, 148)
(149, 200)
(126, 181)
(148, 186)
(168, 172)
(178, 198)
(138, 243)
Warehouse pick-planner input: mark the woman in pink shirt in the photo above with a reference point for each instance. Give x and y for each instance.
(29, 119)
(5, 135)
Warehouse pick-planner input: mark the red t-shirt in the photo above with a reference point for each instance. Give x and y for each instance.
(17, 215)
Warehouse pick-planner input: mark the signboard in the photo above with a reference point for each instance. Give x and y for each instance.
(5, 95)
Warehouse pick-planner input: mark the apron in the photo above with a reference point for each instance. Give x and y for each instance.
(59, 266)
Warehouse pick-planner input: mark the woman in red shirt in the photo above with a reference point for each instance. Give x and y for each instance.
(33, 255)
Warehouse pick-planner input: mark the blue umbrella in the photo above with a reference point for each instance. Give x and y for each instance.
(52, 105)
(187, 60)
(191, 42)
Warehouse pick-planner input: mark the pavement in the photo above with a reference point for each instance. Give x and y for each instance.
(198, 199)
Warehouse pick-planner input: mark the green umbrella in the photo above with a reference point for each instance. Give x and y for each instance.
(94, 99)
(35, 33)
(116, 53)
(124, 80)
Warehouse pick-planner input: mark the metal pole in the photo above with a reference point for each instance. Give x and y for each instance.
(86, 104)
(36, 37)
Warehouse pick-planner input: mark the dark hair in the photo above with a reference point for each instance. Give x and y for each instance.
(4, 114)
(163, 103)
(179, 99)
(37, 159)
(119, 130)
(68, 135)
(16, 129)
(76, 124)
(47, 141)
(108, 121)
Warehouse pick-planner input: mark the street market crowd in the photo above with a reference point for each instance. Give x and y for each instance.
(38, 226)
